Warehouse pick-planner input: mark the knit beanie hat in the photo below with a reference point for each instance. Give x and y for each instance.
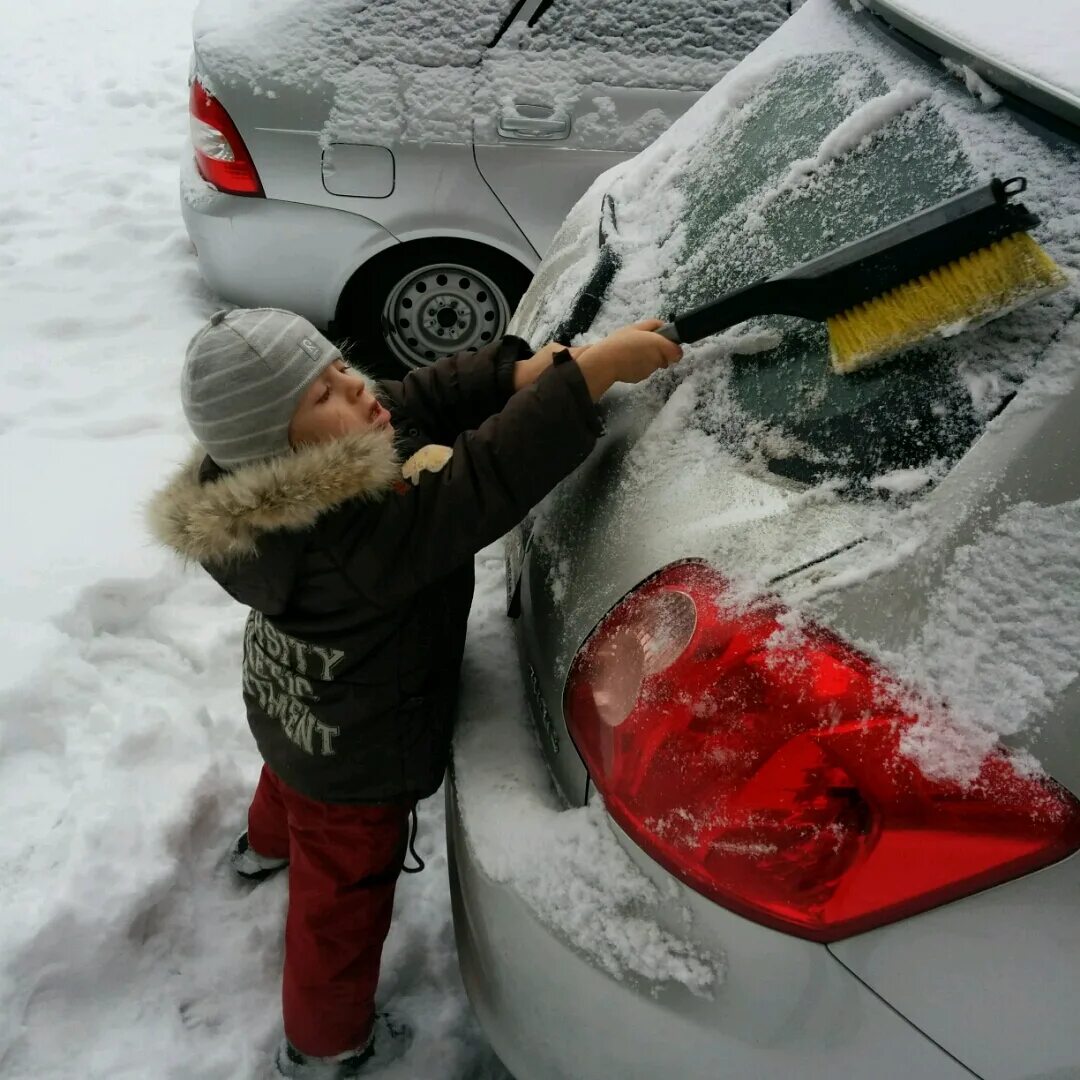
(245, 373)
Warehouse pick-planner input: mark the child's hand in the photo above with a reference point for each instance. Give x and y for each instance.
(628, 355)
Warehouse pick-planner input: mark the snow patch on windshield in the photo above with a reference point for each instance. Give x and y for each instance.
(565, 864)
(974, 82)
(864, 122)
(903, 481)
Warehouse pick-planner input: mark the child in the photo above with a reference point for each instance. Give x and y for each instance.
(359, 574)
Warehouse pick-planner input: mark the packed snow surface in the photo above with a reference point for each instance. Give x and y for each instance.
(1041, 41)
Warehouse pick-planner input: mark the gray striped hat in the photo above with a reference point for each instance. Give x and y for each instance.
(245, 373)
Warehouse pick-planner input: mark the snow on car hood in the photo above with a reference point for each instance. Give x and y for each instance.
(423, 70)
(1038, 45)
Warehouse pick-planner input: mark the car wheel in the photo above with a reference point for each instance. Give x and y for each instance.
(419, 302)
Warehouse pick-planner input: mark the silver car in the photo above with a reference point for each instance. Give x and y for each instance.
(396, 169)
(800, 650)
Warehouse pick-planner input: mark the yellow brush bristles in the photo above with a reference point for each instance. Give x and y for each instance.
(973, 289)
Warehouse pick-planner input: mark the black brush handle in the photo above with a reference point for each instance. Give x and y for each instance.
(866, 268)
(770, 296)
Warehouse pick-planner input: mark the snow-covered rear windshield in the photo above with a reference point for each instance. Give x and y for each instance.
(878, 421)
(754, 206)
(814, 141)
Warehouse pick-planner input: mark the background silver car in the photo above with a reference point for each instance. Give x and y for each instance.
(397, 168)
(810, 641)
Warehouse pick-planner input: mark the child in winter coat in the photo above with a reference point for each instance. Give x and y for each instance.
(358, 570)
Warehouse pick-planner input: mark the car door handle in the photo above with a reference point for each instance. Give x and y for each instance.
(513, 125)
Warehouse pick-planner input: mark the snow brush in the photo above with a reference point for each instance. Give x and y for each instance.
(959, 264)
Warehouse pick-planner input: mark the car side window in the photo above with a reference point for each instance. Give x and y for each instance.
(685, 29)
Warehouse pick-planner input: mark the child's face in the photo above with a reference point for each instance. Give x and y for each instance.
(337, 403)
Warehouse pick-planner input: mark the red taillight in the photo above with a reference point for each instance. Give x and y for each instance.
(763, 767)
(220, 154)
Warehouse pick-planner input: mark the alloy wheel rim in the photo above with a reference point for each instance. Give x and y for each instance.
(441, 309)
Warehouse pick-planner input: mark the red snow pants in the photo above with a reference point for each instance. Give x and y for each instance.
(344, 861)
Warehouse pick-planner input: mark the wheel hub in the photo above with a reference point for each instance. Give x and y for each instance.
(442, 309)
(448, 316)
(445, 317)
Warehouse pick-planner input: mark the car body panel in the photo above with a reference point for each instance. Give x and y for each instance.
(880, 573)
(510, 171)
(785, 1008)
(241, 254)
(511, 164)
(437, 190)
(358, 170)
(994, 978)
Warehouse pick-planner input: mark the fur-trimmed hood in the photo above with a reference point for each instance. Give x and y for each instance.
(219, 518)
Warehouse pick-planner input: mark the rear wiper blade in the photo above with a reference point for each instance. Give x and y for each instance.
(593, 293)
(609, 225)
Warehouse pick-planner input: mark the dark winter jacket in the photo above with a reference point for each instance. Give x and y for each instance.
(359, 582)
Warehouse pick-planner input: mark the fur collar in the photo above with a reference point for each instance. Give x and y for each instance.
(222, 518)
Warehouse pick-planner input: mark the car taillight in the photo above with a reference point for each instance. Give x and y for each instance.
(763, 767)
(220, 154)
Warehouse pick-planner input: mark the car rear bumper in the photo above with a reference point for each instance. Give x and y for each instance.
(272, 253)
(786, 1008)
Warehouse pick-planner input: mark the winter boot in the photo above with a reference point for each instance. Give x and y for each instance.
(389, 1040)
(249, 864)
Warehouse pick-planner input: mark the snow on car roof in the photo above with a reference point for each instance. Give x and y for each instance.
(1031, 50)
(411, 69)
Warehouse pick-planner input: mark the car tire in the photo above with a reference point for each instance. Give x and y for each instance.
(419, 301)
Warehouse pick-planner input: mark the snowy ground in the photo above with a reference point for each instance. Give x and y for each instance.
(125, 762)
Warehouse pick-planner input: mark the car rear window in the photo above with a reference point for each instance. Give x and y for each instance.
(758, 199)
